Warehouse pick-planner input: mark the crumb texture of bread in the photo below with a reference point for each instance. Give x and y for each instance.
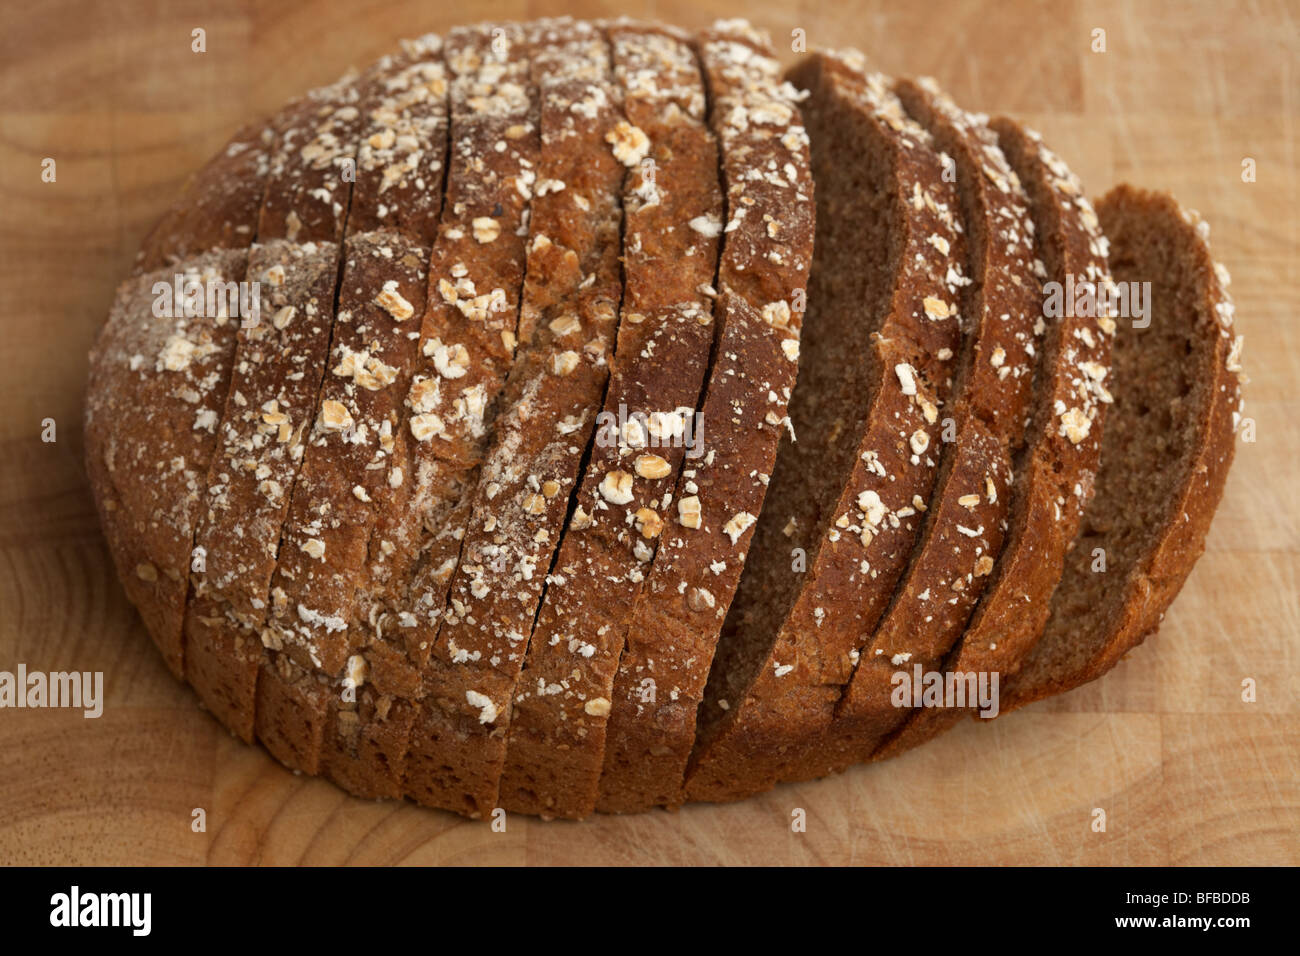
(577, 416)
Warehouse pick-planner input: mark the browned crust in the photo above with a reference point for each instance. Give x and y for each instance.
(664, 339)
(354, 466)
(675, 624)
(273, 397)
(867, 537)
(218, 208)
(1054, 481)
(356, 460)
(1160, 572)
(308, 190)
(510, 513)
(1004, 298)
(158, 382)
(963, 535)
(402, 153)
(467, 338)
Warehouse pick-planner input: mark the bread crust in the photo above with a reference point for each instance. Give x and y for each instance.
(268, 411)
(468, 333)
(279, 365)
(568, 321)
(763, 271)
(157, 387)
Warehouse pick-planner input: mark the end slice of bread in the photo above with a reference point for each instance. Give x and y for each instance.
(1168, 444)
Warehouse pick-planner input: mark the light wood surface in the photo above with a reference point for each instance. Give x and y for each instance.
(1184, 770)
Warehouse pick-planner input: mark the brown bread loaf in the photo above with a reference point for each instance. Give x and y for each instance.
(852, 487)
(386, 529)
(1168, 443)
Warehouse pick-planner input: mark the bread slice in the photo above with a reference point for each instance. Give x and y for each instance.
(468, 334)
(279, 366)
(401, 165)
(219, 207)
(1168, 443)
(965, 524)
(673, 208)
(568, 321)
(1054, 474)
(356, 458)
(373, 351)
(158, 383)
(762, 277)
(881, 344)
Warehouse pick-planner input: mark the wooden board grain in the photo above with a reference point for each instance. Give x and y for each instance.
(1185, 771)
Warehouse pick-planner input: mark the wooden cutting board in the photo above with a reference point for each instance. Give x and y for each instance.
(1184, 770)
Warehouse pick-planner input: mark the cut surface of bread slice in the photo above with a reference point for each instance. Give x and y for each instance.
(1055, 472)
(158, 383)
(1168, 443)
(568, 321)
(673, 209)
(849, 492)
(965, 523)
